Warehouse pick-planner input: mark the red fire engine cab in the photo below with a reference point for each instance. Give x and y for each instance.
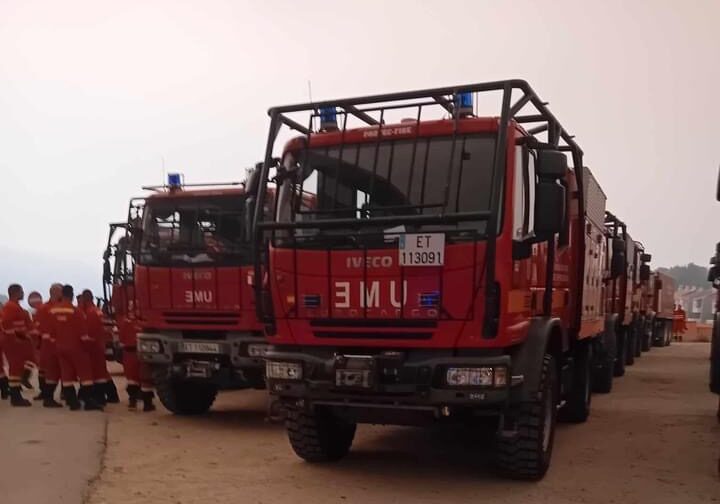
(192, 296)
(450, 266)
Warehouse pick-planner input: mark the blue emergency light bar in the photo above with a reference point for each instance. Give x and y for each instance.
(174, 180)
(464, 103)
(328, 118)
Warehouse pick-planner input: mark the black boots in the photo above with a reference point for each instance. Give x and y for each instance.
(4, 387)
(87, 397)
(147, 397)
(25, 379)
(70, 397)
(98, 393)
(133, 392)
(111, 393)
(47, 391)
(40, 396)
(16, 398)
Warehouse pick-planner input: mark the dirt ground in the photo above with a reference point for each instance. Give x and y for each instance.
(654, 439)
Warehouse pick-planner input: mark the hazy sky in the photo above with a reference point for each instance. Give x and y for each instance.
(94, 94)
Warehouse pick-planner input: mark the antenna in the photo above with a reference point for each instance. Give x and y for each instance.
(310, 90)
(163, 170)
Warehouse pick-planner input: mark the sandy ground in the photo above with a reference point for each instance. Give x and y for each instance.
(48, 456)
(654, 439)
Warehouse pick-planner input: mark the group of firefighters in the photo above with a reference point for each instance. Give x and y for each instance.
(66, 344)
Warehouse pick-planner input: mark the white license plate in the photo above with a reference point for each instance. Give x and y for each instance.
(422, 249)
(199, 347)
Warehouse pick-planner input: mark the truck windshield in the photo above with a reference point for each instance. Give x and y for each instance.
(190, 231)
(427, 176)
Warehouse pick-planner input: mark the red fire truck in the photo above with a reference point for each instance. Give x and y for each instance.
(450, 267)
(192, 295)
(714, 278)
(117, 287)
(623, 293)
(663, 288)
(640, 303)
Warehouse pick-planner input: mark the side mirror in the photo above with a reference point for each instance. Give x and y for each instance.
(253, 180)
(646, 258)
(644, 272)
(617, 265)
(713, 274)
(107, 273)
(549, 208)
(551, 164)
(658, 284)
(249, 217)
(618, 246)
(717, 196)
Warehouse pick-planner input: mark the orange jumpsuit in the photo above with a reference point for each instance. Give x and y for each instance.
(95, 346)
(48, 356)
(17, 328)
(69, 329)
(136, 374)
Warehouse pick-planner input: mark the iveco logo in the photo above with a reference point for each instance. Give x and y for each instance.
(369, 262)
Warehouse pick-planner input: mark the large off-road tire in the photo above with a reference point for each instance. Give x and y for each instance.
(629, 346)
(319, 436)
(621, 349)
(186, 397)
(526, 453)
(577, 405)
(715, 358)
(637, 328)
(647, 343)
(604, 372)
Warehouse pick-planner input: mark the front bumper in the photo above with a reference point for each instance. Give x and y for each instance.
(396, 381)
(223, 360)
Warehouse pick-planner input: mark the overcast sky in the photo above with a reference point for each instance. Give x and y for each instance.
(94, 94)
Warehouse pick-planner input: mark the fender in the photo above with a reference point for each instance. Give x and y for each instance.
(527, 358)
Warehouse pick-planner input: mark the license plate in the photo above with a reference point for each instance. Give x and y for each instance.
(422, 249)
(199, 347)
(353, 378)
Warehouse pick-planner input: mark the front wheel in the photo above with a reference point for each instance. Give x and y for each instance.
(319, 436)
(186, 397)
(525, 454)
(577, 407)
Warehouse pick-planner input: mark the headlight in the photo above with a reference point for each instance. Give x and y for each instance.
(257, 350)
(476, 376)
(284, 370)
(149, 346)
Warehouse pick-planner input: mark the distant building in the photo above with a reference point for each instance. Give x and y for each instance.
(698, 302)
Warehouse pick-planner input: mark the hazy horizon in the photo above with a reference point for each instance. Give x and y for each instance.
(94, 96)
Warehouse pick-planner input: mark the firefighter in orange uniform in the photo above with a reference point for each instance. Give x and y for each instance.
(69, 330)
(17, 329)
(139, 385)
(105, 390)
(48, 362)
(4, 383)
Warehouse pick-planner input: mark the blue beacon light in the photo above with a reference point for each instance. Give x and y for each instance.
(328, 119)
(174, 180)
(464, 102)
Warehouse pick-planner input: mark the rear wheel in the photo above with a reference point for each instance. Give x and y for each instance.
(603, 372)
(577, 407)
(319, 436)
(629, 346)
(647, 335)
(619, 367)
(526, 453)
(185, 397)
